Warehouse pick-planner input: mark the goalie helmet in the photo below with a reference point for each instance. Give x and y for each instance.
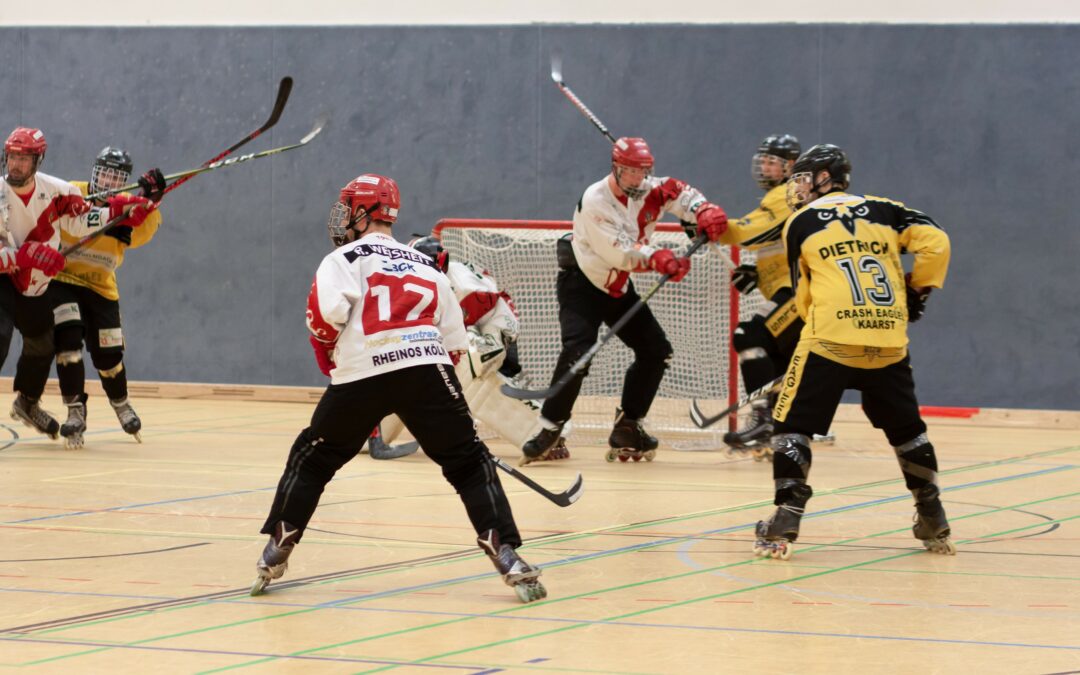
(804, 186)
(23, 141)
(112, 169)
(771, 164)
(368, 195)
(631, 153)
(432, 248)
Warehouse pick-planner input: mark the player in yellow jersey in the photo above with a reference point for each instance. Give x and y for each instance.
(89, 304)
(766, 341)
(852, 292)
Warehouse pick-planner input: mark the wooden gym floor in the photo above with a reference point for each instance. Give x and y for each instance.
(127, 558)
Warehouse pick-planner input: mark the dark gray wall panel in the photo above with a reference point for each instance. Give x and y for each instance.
(973, 124)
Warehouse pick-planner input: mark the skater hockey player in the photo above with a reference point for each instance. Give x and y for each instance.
(765, 342)
(33, 208)
(613, 223)
(88, 298)
(491, 323)
(851, 290)
(384, 323)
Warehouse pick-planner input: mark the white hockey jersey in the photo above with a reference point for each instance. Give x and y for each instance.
(18, 220)
(611, 235)
(483, 305)
(384, 306)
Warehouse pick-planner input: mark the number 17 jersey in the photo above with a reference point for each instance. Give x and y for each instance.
(384, 306)
(844, 254)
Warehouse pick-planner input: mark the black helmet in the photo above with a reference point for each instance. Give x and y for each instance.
(432, 248)
(114, 158)
(784, 146)
(826, 157)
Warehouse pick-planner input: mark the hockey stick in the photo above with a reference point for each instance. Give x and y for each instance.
(284, 89)
(587, 357)
(379, 449)
(556, 75)
(703, 422)
(184, 175)
(564, 498)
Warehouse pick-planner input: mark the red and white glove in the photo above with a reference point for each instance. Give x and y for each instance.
(40, 256)
(136, 208)
(711, 220)
(324, 355)
(666, 262)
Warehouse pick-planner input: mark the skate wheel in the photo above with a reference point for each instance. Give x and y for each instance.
(259, 586)
(611, 455)
(530, 591)
(940, 546)
(623, 458)
(636, 457)
(74, 442)
(650, 455)
(137, 436)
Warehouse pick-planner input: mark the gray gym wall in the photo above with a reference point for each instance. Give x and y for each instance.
(976, 125)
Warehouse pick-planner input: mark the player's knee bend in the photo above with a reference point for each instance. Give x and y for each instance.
(68, 338)
(902, 434)
(468, 468)
(312, 460)
(39, 346)
(108, 364)
(791, 457)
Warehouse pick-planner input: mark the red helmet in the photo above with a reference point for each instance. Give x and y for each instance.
(632, 152)
(366, 195)
(374, 195)
(26, 141)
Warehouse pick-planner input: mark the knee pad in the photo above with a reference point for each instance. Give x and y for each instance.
(918, 462)
(752, 334)
(68, 338)
(791, 459)
(39, 345)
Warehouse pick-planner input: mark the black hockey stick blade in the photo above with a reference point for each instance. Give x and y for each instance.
(564, 498)
(701, 421)
(587, 357)
(379, 449)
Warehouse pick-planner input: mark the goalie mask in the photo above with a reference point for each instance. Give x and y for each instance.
(771, 164)
(112, 169)
(366, 198)
(632, 165)
(23, 142)
(432, 248)
(820, 170)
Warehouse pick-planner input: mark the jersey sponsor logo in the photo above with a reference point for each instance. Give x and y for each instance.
(407, 353)
(423, 336)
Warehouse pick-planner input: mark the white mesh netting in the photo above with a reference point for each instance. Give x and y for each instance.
(695, 313)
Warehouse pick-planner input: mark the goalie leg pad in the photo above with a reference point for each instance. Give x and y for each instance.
(515, 421)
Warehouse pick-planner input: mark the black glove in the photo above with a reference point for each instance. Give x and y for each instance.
(153, 185)
(744, 278)
(916, 303)
(121, 233)
(689, 228)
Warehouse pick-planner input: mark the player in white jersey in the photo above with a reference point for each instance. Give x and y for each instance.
(492, 326)
(613, 223)
(33, 208)
(384, 324)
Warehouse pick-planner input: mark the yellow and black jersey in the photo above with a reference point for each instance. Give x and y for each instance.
(760, 231)
(94, 266)
(844, 251)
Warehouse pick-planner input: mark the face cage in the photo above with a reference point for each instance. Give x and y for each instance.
(633, 192)
(757, 169)
(338, 224)
(107, 178)
(38, 159)
(799, 187)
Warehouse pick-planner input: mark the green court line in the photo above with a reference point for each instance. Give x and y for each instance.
(570, 537)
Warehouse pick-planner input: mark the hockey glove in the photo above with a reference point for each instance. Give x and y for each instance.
(39, 256)
(153, 185)
(665, 262)
(916, 302)
(324, 355)
(136, 208)
(744, 278)
(711, 220)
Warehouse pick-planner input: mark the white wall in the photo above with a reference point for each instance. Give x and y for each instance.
(449, 12)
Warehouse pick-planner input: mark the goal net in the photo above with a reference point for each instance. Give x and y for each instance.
(698, 314)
